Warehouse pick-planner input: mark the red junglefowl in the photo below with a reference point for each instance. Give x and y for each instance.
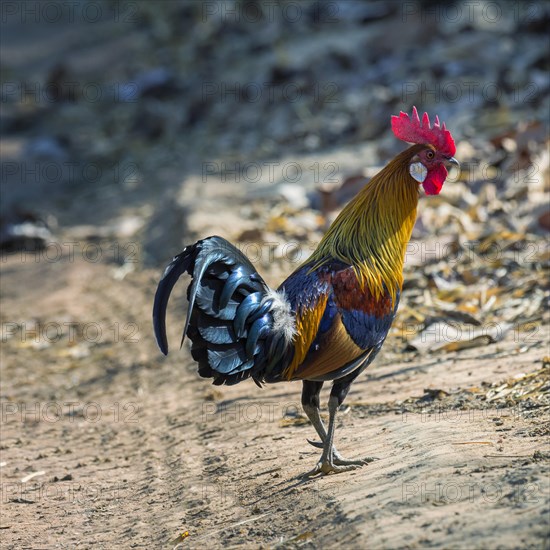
(329, 319)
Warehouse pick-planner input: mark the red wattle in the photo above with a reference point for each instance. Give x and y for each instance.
(435, 179)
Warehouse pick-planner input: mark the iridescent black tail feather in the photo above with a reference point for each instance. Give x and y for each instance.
(230, 319)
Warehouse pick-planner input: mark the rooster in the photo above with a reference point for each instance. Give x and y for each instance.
(328, 320)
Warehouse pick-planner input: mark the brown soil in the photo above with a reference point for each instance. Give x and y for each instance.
(133, 450)
(104, 443)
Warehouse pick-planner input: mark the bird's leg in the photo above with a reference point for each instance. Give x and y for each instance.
(331, 461)
(326, 464)
(310, 403)
(315, 418)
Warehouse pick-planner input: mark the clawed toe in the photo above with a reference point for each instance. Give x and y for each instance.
(336, 464)
(326, 467)
(341, 461)
(331, 461)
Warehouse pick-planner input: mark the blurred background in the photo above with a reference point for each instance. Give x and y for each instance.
(131, 128)
(125, 116)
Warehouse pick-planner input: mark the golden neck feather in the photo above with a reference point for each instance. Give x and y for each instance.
(373, 230)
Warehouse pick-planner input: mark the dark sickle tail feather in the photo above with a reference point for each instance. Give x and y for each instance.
(231, 314)
(179, 265)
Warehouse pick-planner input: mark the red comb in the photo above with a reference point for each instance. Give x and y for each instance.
(412, 130)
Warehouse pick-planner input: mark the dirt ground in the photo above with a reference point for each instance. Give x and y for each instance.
(107, 444)
(104, 442)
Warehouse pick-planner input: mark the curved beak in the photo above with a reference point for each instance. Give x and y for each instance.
(452, 160)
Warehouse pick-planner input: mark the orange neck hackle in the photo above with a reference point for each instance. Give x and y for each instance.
(373, 230)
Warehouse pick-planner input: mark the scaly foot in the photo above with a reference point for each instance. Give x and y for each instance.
(328, 467)
(339, 460)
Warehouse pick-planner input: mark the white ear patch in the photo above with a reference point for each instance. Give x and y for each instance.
(418, 171)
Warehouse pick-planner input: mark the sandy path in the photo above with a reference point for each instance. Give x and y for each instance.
(171, 453)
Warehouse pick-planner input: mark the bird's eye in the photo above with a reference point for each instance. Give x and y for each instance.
(430, 155)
